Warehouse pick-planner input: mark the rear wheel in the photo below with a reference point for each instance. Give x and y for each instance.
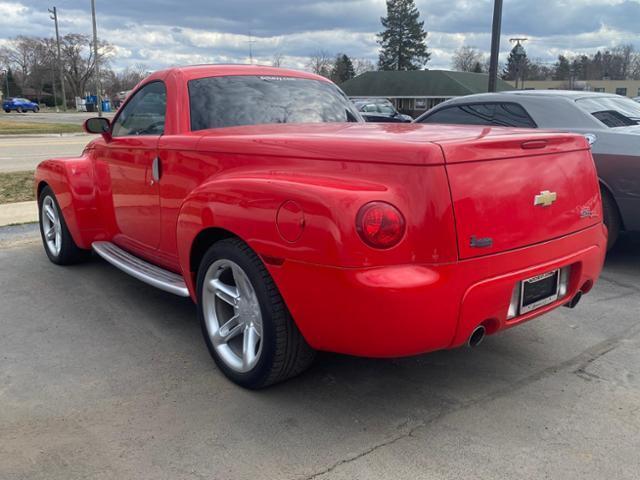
(58, 243)
(247, 327)
(611, 217)
(6, 110)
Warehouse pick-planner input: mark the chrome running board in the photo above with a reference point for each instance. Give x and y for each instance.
(144, 271)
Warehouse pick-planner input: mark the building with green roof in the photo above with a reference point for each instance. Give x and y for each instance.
(415, 91)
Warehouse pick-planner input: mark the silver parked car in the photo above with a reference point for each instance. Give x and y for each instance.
(610, 122)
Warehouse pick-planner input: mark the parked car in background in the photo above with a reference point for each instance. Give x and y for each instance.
(610, 122)
(20, 105)
(637, 99)
(295, 226)
(380, 110)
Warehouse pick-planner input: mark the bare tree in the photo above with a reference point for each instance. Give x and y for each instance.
(321, 63)
(79, 61)
(277, 60)
(127, 79)
(467, 59)
(362, 65)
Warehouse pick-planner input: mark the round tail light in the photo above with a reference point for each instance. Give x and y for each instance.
(380, 225)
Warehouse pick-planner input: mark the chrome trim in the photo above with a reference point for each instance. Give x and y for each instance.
(143, 271)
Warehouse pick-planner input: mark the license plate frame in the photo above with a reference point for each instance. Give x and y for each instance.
(537, 303)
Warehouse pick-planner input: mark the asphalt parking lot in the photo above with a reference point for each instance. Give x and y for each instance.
(103, 377)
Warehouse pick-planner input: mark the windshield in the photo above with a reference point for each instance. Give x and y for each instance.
(217, 102)
(612, 111)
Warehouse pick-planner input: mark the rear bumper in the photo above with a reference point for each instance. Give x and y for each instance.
(410, 309)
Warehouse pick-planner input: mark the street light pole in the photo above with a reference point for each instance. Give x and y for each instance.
(54, 17)
(96, 69)
(495, 45)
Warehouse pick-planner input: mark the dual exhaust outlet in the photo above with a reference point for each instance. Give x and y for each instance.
(480, 331)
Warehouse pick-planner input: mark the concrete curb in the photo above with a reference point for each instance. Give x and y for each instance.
(21, 212)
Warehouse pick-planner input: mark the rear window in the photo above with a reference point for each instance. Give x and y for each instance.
(502, 114)
(613, 112)
(217, 102)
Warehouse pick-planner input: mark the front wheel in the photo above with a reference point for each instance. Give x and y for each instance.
(36, 109)
(58, 243)
(6, 110)
(247, 327)
(20, 110)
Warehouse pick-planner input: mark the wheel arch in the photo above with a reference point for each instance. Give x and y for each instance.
(609, 191)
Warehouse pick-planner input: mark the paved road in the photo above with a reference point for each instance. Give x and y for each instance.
(103, 377)
(49, 117)
(24, 153)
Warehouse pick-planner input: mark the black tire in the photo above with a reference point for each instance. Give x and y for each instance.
(20, 110)
(611, 217)
(69, 252)
(7, 110)
(284, 352)
(36, 109)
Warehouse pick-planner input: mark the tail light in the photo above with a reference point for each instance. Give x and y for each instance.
(380, 225)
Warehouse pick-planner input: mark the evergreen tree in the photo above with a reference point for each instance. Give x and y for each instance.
(563, 69)
(516, 67)
(14, 89)
(403, 41)
(342, 69)
(477, 68)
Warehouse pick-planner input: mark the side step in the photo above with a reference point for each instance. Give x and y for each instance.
(144, 271)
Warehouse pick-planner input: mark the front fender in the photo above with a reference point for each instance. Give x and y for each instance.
(72, 182)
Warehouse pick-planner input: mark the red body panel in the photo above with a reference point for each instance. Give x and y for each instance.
(292, 193)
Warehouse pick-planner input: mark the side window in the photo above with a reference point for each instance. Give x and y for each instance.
(144, 114)
(370, 108)
(512, 115)
(479, 114)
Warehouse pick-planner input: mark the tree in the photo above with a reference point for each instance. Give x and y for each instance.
(127, 79)
(342, 69)
(562, 69)
(403, 41)
(14, 88)
(78, 61)
(362, 65)
(517, 65)
(467, 59)
(320, 63)
(277, 60)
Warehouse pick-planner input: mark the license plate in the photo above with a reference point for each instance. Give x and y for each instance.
(539, 291)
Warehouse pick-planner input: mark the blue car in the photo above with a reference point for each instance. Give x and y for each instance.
(20, 105)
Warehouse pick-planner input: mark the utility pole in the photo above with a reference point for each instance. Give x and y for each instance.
(53, 87)
(54, 17)
(495, 45)
(251, 42)
(96, 69)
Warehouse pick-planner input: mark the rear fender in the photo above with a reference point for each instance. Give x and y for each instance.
(310, 218)
(72, 182)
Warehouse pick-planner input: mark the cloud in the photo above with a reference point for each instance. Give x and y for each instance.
(160, 33)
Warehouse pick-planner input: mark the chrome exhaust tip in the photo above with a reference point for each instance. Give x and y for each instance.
(477, 336)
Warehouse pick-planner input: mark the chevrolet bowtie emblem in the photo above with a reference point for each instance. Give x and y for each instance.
(545, 198)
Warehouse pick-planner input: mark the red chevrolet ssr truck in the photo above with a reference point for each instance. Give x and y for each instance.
(295, 227)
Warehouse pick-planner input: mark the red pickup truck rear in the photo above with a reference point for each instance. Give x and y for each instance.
(366, 239)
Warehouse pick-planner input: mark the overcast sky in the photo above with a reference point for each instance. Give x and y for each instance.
(161, 33)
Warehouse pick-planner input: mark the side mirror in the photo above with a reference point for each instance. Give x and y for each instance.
(98, 125)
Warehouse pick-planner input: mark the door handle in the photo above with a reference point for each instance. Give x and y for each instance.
(156, 170)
